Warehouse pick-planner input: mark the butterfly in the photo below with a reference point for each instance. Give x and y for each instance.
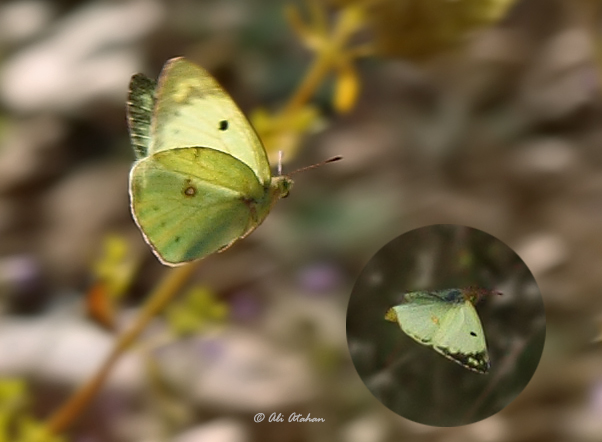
(447, 321)
(201, 180)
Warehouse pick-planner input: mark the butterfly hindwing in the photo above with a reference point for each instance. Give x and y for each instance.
(194, 190)
(448, 323)
(419, 319)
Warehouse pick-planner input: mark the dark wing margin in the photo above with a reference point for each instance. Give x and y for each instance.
(140, 106)
(477, 362)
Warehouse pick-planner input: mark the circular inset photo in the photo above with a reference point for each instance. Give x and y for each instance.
(446, 325)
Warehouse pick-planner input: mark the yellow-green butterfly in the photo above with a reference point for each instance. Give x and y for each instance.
(201, 179)
(447, 321)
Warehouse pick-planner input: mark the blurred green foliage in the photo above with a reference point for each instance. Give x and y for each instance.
(17, 424)
(196, 311)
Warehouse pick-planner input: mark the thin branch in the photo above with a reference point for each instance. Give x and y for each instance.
(162, 295)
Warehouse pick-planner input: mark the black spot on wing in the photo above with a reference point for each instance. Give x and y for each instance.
(223, 125)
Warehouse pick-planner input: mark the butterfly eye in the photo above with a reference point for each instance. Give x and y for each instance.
(223, 125)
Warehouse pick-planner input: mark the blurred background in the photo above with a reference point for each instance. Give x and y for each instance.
(472, 112)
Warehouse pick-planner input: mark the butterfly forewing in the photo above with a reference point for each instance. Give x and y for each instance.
(193, 110)
(461, 338)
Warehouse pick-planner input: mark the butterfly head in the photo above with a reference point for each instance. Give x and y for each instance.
(281, 187)
(282, 184)
(474, 294)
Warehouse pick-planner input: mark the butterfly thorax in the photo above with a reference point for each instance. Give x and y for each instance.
(279, 187)
(451, 295)
(472, 294)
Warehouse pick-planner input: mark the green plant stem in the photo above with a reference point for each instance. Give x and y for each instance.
(161, 296)
(326, 58)
(310, 83)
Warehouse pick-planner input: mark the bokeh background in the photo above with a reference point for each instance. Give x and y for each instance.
(467, 113)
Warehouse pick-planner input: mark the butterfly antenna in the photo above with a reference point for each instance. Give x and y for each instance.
(313, 166)
(280, 155)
